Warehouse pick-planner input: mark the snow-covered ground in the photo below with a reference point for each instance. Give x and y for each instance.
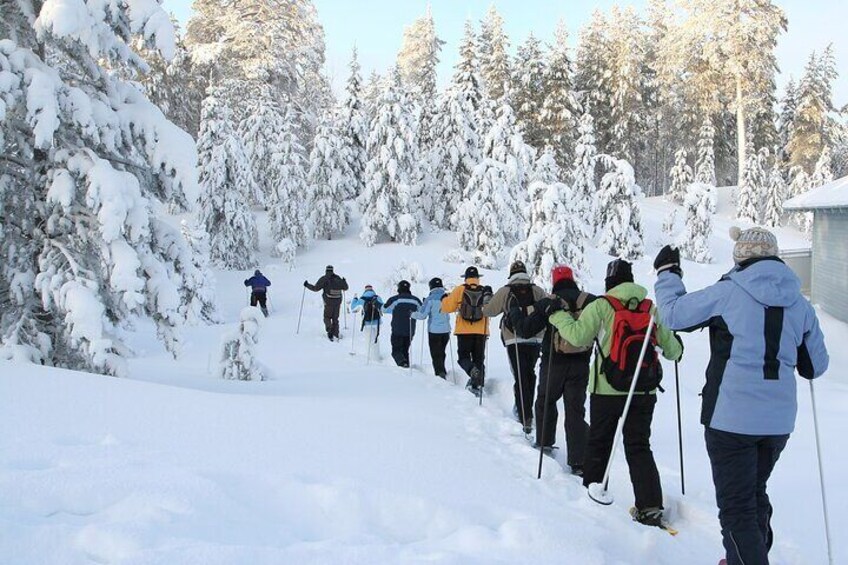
(333, 460)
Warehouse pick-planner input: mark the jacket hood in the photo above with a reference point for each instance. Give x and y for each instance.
(520, 278)
(769, 281)
(438, 292)
(368, 294)
(628, 291)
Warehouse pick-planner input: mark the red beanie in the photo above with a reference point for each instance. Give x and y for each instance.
(561, 272)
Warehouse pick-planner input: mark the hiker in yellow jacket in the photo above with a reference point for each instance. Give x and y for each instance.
(472, 327)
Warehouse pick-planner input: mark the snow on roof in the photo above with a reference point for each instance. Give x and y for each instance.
(831, 195)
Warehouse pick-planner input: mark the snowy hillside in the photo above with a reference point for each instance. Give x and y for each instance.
(333, 460)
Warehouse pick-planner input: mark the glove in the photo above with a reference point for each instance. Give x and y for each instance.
(306, 284)
(548, 306)
(668, 259)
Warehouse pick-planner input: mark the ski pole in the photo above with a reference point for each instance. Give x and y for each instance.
(370, 341)
(300, 315)
(599, 492)
(542, 436)
(485, 358)
(821, 475)
(411, 337)
(421, 357)
(520, 386)
(453, 367)
(679, 426)
(344, 308)
(353, 337)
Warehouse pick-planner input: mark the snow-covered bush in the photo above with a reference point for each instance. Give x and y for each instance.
(681, 177)
(455, 256)
(237, 359)
(406, 271)
(700, 205)
(668, 227)
(286, 251)
(199, 304)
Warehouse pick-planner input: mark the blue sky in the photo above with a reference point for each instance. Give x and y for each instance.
(376, 28)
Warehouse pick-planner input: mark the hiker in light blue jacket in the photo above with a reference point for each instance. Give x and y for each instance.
(761, 331)
(371, 306)
(438, 325)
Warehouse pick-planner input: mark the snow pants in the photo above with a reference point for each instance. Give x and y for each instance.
(741, 466)
(522, 360)
(260, 298)
(332, 309)
(438, 352)
(400, 349)
(604, 412)
(471, 354)
(568, 380)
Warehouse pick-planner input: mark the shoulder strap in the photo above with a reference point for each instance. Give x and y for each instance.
(581, 300)
(614, 302)
(645, 306)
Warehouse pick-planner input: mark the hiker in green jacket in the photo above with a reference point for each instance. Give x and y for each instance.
(606, 405)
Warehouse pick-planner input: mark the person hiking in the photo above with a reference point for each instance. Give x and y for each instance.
(617, 318)
(371, 306)
(331, 287)
(259, 284)
(523, 352)
(438, 325)
(401, 306)
(564, 372)
(761, 331)
(472, 327)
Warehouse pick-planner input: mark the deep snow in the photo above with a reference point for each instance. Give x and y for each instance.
(333, 460)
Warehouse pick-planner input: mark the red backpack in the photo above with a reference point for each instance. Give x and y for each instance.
(628, 333)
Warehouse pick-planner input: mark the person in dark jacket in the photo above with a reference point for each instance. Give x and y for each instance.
(259, 290)
(761, 331)
(438, 325)
(401, 306)
(332, 287)
(564, 370)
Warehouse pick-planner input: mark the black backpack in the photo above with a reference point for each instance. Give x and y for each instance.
(370, 310)
(471, 307)
(523, 295)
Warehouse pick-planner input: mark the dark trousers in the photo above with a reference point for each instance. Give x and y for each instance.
(332, 308)
(604, 412)
(260, 298)
(741, 467)
(568, 380)
(471, 353)
(438, 352)
(522, 360)
(400, 349)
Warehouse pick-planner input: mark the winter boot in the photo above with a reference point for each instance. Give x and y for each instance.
(649, 517)
(577, 470)
(265, 311)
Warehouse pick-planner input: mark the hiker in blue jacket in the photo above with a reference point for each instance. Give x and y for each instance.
(258, 290)
(401, 306)
(438, 325)
(371, 306)
(761, 331)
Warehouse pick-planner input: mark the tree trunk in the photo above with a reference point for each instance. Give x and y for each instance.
(740, 130)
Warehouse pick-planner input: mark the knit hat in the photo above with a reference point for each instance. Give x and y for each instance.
(560, 273)
(257, 273)
(368, 287)
(436, 282)
(404, 286)
(329, 268)
(753, 243)
(471, 273)
(517, 267)
(618, 272)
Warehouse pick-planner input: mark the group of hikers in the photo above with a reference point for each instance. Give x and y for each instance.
(761, 331)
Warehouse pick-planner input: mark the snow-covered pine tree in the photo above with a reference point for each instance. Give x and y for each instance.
(786, 119)
(353, 133)
(700, 205)
(226, 184)
(466, 78)
(528, 91)
(288, 201)
(87, 164)
(705, 165)
(620, 218)
(799, 184)
(493, 55)
(199, 305)
(260, 133)
(546, 169)
(560, 109)
(681, 177)
(419, 56)
(237, 359)
(751, 191)
(392, 173)
(775, 195)
(371, 96)
(822, 174)
(584, 190)
(809, 133)
(625, 79)
(592, 71)
(328, 183)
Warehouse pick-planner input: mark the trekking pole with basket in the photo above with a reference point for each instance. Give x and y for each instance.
(300, 315)
(541, 437)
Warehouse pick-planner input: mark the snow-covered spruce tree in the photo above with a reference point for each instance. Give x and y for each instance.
(560, 108)
(584, 189)
(87, 164)
(592, 67)
(799, 184)
(554, 236)
(750, 189)
(392, 173)
(700, 205)
(705, 164)
(822, 174)
(260, 133)
(528, 91)
(775, 196)
(288, 201)
(353, 133)
(328, 182)
(237, 359)
(626, 109)
(786, 119)
(226, 184)
(681, 177)
(809, 129)
(546, 170)
(199, 305)
(419, 56)
(620, 218)
(493, 55)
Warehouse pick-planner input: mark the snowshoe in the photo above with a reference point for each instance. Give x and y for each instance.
(651, 517)
(473, 389)
(549, 450)
(264, 312)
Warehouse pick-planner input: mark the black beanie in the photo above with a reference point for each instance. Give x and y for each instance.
(517, 267)
(403, 286)
(436, 282)
(618, 272)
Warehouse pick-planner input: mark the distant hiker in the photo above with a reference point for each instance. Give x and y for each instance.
(401, 307)
(472, 327)
(259, 290)
(371, 307)
(523, 352)
(331, 286)
(565, 365)
(761, 331)
(438, 325)
(622, 313)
